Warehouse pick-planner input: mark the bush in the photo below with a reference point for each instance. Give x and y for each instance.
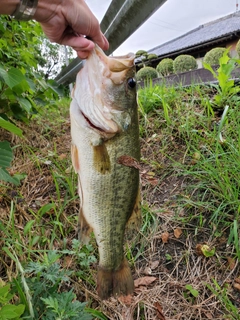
(141, 54)
(146, 73)
(212, 57)
(165, 67)
(152, 56)
(183, 63)
(238, 48)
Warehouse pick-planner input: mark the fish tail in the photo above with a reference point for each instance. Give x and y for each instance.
(115, 282)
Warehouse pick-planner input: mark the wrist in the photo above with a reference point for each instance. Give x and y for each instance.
(46, 9)
(25, 10)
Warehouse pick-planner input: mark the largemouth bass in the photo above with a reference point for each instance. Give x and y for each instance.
(105, 152)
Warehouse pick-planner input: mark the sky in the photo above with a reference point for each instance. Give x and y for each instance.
(173, 19)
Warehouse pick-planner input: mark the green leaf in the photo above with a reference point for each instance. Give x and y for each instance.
(6, 154)
(28, 227)
(19, 112)
(25, 104)
(5, 176)
(9, 253)
(4, 294)
(11, 311)
(10, 127)
(209, 68)
(207, 251)
(23, 86)
(193, 291)
(12, 77)
(97, 314)
(51, 303)
(46, 208)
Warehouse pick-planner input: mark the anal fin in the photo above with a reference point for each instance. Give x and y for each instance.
(84, 229)
(135, 220)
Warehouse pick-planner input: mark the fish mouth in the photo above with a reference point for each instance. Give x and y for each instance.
(116, 67)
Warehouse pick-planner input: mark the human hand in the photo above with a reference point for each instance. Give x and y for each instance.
(67, 22)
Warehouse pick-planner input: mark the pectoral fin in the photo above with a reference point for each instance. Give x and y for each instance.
(101, 159)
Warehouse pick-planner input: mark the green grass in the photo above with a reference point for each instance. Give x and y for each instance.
(213, 165)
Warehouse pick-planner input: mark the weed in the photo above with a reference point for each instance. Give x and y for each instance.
(9, 310)
(222, 294)
(190, 293)
(44, 280)
(84, 257)
(63, 306)
(226, 90)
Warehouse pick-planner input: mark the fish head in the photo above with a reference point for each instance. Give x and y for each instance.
(105, 92)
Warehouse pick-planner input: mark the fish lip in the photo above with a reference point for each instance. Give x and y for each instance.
(127, 59)
(116, 64)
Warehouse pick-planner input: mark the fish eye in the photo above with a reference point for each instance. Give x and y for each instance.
(131, 83)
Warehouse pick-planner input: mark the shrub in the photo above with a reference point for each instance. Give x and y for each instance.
(238, 48)
(152, 56)
(140, 53)
(212, 57)
(165, 67)
(183, 63)
(146, 73)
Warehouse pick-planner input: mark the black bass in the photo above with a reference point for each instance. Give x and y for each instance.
(105, 152)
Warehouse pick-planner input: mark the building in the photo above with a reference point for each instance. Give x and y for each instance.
(223, 32)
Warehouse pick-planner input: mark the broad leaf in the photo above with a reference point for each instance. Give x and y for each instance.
(25, 104)
(12, 77)
(11, 311)
(209, 68)
(22, 87)
(6, 154)
(5, 176)
(6, 157)
(10, 127)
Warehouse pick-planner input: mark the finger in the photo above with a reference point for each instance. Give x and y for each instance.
(106, 43)
(78, 43)
(83, 54)
(100, 40)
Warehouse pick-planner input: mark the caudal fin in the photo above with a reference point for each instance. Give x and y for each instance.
(115, 283)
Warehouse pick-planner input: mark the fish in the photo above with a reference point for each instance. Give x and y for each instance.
(105, 153)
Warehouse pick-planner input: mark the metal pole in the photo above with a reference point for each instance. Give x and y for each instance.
(67, 63)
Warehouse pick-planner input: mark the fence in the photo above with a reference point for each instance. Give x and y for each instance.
(121, 20)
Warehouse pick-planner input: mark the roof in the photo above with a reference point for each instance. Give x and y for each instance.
(217, 29)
